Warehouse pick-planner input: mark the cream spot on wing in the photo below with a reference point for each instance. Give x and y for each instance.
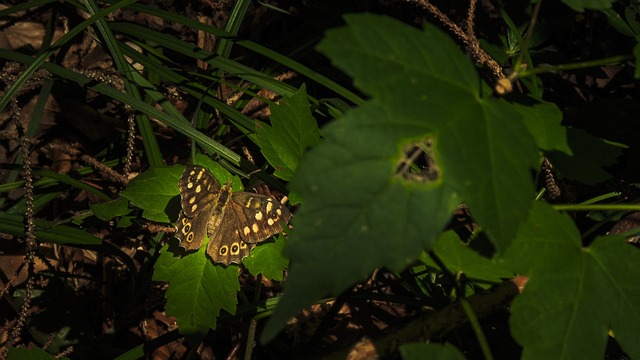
(255, 227)
(192, 200)
(246, 230)
(258, 215)
(270, 222)
(269, 206)
(235, 249)
(194, 207)
(200, 175)
(198, 188)
(279, 212)
(189, 185)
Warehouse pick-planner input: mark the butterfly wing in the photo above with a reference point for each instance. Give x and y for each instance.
(225, 245)
(199, 191)
(246, 220)
(260, 216)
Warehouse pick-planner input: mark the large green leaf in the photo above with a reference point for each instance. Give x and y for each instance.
(574, 294)
(359, 213)
(197, 289)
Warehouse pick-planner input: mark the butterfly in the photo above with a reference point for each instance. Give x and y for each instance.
(234, 221)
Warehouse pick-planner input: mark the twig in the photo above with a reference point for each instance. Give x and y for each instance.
(468, 39)
(107, 171)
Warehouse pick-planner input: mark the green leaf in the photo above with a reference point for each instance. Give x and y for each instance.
(544, 120)
(359, 212)
(417, 351)
(110, 209)
(197, 289)
(218, 171)
(155, 191)
(267, 259)
(460, 258)
(580, 5)
(589, 155)
(574, 294)
(152, 190)
(293, 130)
(615, 20)
(490, 138)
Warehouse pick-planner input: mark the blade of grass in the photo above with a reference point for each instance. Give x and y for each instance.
(233, 25)
(152, 149)
(301, 69)
(187, 49)
(188, 85)
(48, 231)
(176, 18)
(24, 6)
(180, 124)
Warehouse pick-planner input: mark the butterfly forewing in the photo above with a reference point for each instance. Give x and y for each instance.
(260, 216)
(198, 190)
(198, 195)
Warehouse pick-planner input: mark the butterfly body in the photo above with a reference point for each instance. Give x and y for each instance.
(234, 222)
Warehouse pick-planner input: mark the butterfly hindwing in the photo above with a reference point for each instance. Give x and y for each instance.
(225, 244)
(190, 232)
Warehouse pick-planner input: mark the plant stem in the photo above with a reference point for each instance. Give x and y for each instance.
(475, 325)
(605, 207)
(573, 66)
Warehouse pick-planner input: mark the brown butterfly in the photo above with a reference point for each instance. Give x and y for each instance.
(234, 222)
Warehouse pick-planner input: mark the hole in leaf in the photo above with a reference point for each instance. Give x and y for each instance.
(418, 162)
